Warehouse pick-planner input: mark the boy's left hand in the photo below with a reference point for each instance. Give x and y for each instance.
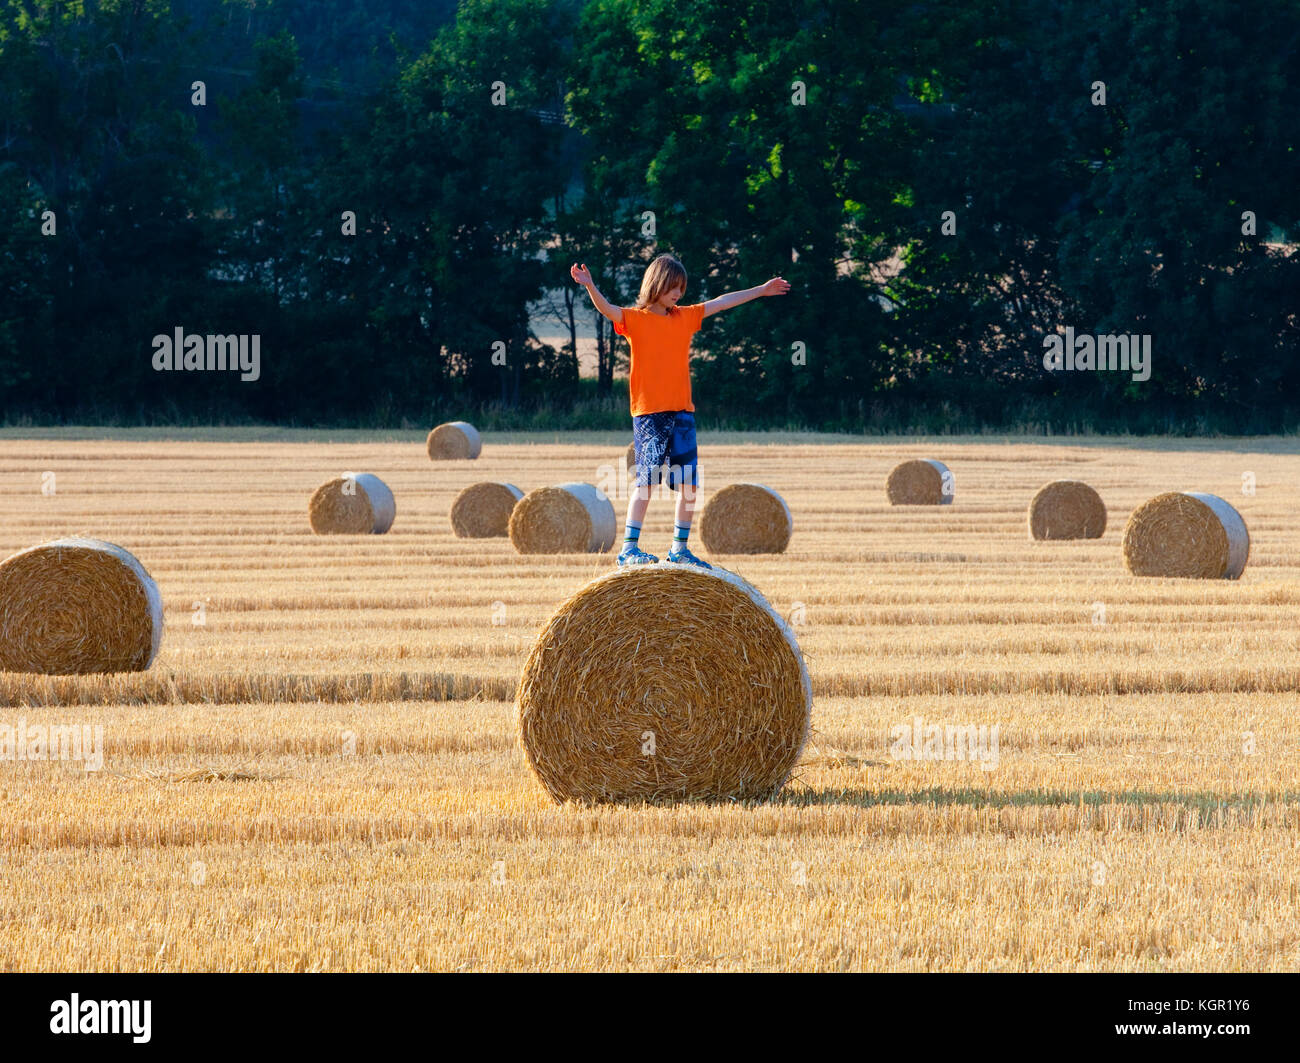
(776, 286)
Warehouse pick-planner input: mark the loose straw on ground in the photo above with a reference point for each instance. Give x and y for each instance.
(1186, 534)
(664, 683)
(352, 504)
(77, 606)
(746, 518)
(1067, 509)
(572, 518)
(922, 482)
(482, 511)
(455, 440)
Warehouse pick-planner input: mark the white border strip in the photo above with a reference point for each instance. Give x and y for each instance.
(944, 500)
(382, 503)
(1234, 527)
(604, 525)
(470, 433)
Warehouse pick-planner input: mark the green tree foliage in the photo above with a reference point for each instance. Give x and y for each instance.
(94, 134)
(1115, 217)
(1199, 126)
(762, 138)
(482, 147)
(450, 180)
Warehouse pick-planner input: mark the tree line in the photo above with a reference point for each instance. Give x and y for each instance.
(389, 197)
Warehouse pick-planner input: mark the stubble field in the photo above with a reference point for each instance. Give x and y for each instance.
(320, 770)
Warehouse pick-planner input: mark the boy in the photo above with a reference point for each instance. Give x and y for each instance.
(663, 421)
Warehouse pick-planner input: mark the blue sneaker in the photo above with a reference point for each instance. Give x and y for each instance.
(634, 555)
(679, 555)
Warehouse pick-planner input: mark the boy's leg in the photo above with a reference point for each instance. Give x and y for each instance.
(637, 504)
(650, 434)
(685, 510)
(684, 471)
(682, 516)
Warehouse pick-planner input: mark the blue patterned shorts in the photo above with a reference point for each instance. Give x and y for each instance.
(665, 439)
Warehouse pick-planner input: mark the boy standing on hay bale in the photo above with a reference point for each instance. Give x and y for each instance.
(663, 416)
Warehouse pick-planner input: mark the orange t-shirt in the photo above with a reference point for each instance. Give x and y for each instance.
(660, 378)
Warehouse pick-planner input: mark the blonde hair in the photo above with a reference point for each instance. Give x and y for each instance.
(662, 275)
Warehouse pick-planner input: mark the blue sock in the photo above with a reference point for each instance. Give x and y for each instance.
(631, 535)
(681, 532)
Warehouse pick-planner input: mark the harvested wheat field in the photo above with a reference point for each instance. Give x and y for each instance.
(320, 770)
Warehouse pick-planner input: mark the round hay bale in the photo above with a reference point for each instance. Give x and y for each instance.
(1186, 534)
(631, 455)
(746, 519)
(663, 683)
(482, 511)
(77, 606)
(572, 518)
(352, 504)
(453, 441)
(1067, 509)
(921, 482)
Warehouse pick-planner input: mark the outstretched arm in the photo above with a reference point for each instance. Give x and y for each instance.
(582, 275)
(776, 286)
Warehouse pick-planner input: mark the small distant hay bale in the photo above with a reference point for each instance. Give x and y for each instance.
(631, 455)
(573, 518)
(664, 683)
(453, 441)
(482, 511)
(1067, 509)
(352, 504)
(922, 482)
(75, 607)
(1186, 534)
(746, 518)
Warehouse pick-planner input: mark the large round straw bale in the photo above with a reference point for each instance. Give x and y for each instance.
(631, 455)
(75, 606)
(746, 519)
(572, 518)
(454, 440)
(1186, 534)
(1067, 509)
(482, 511)
(352, 504)
(920, 483)
(663, 682)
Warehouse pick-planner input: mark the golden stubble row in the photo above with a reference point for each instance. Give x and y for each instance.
(323, 775)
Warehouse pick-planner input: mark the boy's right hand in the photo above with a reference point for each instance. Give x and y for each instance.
(581, 274)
